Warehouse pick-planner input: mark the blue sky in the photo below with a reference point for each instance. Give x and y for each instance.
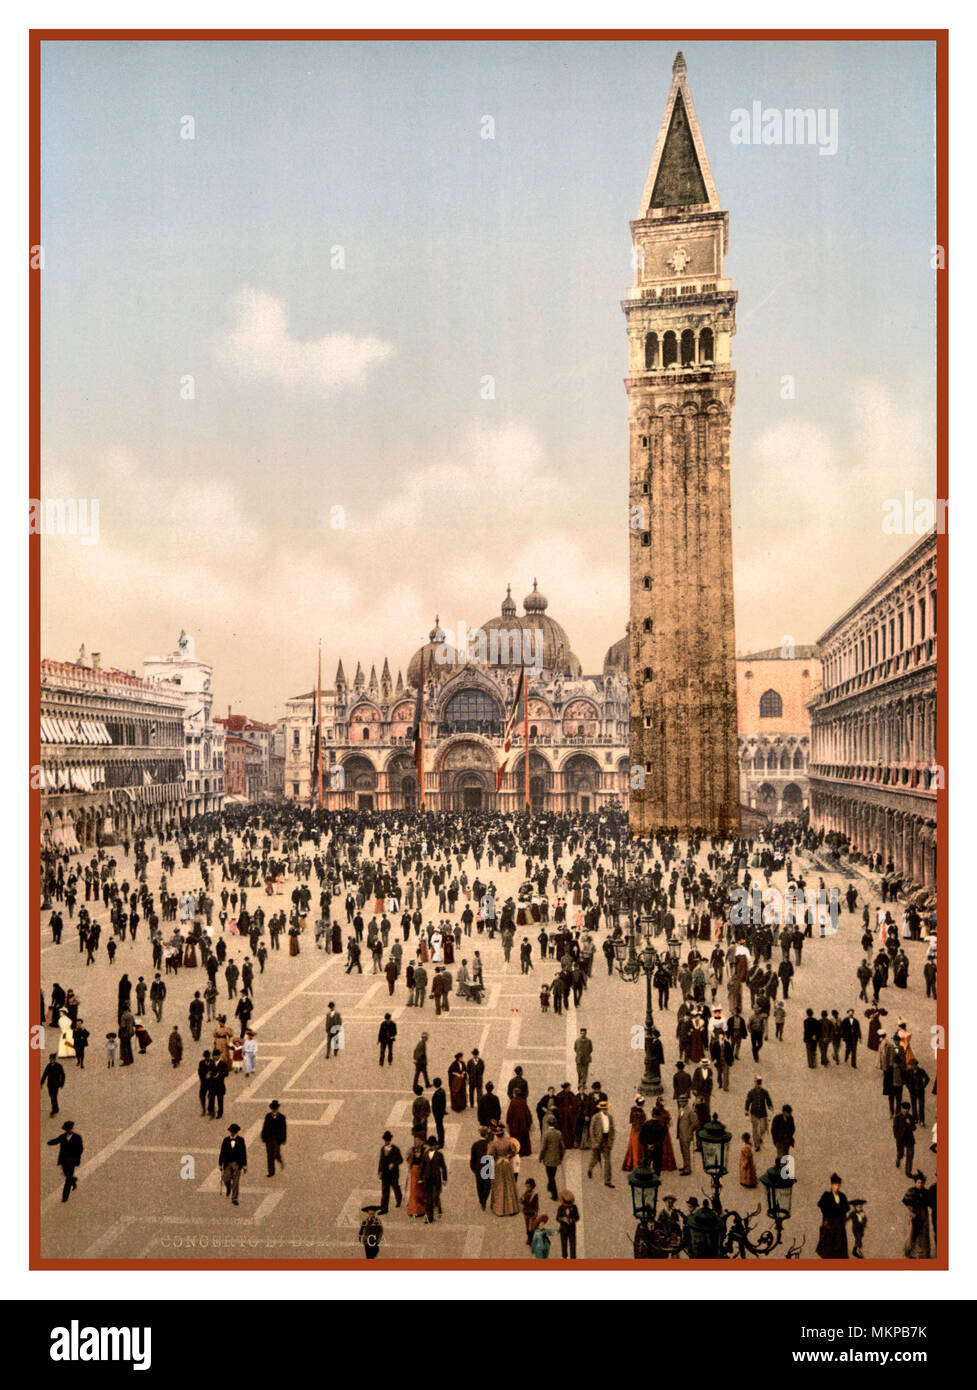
(362, 387)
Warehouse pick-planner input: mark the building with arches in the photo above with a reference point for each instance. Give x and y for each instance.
(874, 772)
(112, 754)
(578, 725)
(191, 679)
(773, 688)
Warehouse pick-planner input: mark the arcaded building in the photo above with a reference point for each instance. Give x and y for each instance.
(773, 689)
(874, 773)
(112, 754)
(578, 725)
(681, 317)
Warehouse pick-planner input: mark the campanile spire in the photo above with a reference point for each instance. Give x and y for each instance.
(681, 316)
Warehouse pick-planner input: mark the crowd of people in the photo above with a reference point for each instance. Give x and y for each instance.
(416, 896)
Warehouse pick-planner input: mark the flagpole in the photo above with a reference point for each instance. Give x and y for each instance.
(318, 730)
(420, 771)
(525, 720)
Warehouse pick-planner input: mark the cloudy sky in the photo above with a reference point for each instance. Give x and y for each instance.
(266, 348)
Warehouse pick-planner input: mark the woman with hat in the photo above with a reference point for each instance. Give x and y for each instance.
(661, 1114)
(834, 1208)
(501, 1150)
(633, 1152)
(917, 1203)
(415, 1195)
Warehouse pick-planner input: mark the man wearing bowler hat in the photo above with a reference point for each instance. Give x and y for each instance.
(232, 1161)
(274, 1132)
(388, 1171)
(70, 1147)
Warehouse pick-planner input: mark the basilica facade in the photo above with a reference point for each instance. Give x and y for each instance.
(577, 725)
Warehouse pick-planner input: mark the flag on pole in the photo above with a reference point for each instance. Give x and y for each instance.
(418, 733)
(510, 724)
(315, 742)
(318, 732)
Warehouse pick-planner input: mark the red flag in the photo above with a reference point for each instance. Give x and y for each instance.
(510, 724)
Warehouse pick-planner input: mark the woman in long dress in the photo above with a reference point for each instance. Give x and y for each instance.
(633, 1152)
(905, 1037)
(916, 1202)
(66, 1044)
(449, 948)
(518, 1121)
(422, 949)
(458, 1084)
(415, 1196)
(222, 1041)
(696, 1040)
(668, 1153)
(747, 1165)
(190, 954)
(505, 1197)
(834, 1207)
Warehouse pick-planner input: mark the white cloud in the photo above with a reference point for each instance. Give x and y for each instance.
(259, 347)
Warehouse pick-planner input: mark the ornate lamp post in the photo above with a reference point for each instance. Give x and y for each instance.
(705, 1231)
(630, 965)
(644, 1184)
(779, 1189)
(715, 1140)
(715, 1233)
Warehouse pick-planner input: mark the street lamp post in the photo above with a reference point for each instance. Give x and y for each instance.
(629, 965)
(715, 1233)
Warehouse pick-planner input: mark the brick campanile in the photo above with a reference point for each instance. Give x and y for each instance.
(681, 387)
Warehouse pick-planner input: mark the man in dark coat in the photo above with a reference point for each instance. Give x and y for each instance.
(476, 1162)
(232, 1161)
(204, 1068)
(916, 1082)
(782, 1128)
(274, 1132)
(851, 1035)
(812, 1036)
(439, 1105)
(388, 1171)
(385, 1037)
(904, 1133)
(70, 1149)
(489, 1107)
(433, 1176)
(651, 1137)
(475, 1068)
(81, 1037)
(54, 1078)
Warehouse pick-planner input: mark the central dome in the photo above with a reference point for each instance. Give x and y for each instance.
(557, 658)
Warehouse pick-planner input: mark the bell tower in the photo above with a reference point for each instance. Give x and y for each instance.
(681, 317)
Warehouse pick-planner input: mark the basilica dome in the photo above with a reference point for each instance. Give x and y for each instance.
(616, 662)
(558, 659)
(437, 655)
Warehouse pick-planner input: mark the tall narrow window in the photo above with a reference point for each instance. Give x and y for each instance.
(651, 351)
(771, 705)
(705, 345)
(669, 350)
(688, 348)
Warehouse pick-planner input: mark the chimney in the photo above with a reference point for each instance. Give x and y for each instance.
(228, 711)
(96, 661)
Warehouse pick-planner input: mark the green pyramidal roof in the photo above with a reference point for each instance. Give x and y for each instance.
(679, 182)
